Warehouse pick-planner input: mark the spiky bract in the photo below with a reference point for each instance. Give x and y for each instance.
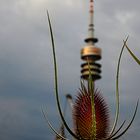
(83, 115)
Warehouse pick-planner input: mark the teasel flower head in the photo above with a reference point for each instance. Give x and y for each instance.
(82, 115)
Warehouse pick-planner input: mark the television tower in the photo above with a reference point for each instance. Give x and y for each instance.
(90, 53)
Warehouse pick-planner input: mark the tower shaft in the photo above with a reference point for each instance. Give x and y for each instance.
(90, 53)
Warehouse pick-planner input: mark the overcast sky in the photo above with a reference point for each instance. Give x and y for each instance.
(26, 68)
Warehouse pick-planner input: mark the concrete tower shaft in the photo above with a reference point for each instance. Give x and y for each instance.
(90, 53)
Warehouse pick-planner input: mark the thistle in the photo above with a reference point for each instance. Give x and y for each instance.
(83, 115)
(90, 111)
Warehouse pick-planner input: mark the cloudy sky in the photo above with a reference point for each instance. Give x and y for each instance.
(26, 69)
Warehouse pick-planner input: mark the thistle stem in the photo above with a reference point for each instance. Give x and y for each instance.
(91, 91)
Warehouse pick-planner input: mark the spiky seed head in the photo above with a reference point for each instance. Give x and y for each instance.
(82, 115)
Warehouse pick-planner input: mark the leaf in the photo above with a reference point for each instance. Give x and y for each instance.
(56, 80)
(132, 54)
(50, 125)
(117, 91)
(134, 115)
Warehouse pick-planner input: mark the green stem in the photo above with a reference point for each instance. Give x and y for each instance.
(91, 90)
(93, 113)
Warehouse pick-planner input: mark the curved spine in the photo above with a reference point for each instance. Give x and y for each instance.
(135, 112)
(117, 91)
(50, 125)
(56, 80)
(132, 54)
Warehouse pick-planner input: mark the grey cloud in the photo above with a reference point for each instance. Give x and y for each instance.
(26, 68)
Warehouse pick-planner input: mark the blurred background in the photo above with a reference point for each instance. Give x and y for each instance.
(26, 68)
